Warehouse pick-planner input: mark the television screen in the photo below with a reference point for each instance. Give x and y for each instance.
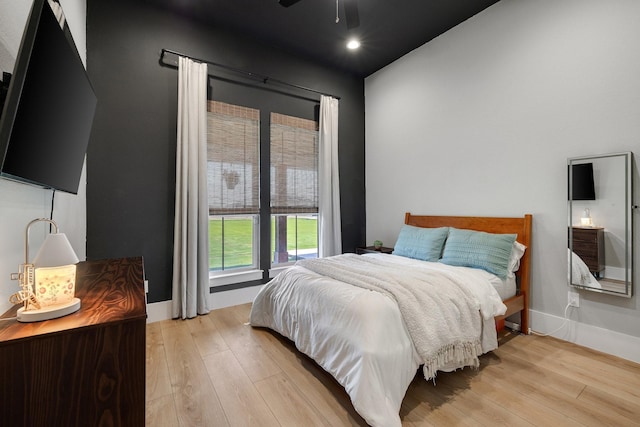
(49, 107)
(582, 178)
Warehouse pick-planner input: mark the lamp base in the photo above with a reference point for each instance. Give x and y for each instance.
(50, 312)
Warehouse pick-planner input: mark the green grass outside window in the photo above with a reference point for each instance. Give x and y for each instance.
(238, 239)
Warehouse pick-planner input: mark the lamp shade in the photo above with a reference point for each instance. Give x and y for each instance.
(56, 251)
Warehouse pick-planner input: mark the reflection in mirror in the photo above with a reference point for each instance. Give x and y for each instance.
(600, 223)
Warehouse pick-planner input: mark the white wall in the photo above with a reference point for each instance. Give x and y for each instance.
(481, 121)
(20, 203)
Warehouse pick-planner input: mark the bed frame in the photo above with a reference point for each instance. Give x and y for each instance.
(519, 226)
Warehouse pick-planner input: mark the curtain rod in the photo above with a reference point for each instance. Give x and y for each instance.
(263, 78)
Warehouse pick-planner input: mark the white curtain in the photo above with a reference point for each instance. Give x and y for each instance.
(191, 236)
(329, 225)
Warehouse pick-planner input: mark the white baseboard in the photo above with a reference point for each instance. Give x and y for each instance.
(604, 340)
(158, 311)
(235, 297)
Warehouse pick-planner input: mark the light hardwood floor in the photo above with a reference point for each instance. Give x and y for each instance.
(215, 370)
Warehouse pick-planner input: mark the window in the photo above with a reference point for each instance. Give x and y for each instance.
(233, 161)
(294, 237)
(294, 188)
(233, 185)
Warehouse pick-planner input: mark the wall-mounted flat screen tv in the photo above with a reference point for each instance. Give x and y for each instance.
(583, 187)
(49, 107)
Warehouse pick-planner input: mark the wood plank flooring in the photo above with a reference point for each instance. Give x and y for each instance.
(215, 370)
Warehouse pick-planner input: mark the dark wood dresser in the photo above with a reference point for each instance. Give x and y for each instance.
(85, 369)
(588, 244)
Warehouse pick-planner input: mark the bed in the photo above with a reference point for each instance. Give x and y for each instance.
(362, 317)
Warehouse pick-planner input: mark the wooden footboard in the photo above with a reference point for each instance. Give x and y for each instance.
(516, 304)
(520, 226)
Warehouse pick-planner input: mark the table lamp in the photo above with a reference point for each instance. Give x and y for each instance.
(48, 284)
(586, 220)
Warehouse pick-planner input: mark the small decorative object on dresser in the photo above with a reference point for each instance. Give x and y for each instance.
(377, 244)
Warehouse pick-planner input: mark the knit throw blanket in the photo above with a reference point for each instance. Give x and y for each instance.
(442, 319)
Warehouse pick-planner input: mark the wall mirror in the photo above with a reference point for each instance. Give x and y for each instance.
(601, 223)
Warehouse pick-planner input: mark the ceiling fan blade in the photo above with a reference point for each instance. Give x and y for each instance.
(287, 3)
(351, 13)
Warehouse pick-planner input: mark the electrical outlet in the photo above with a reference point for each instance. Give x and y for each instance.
(574, 299)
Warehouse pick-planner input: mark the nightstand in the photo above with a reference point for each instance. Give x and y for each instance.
(588, 244)
(370, 249)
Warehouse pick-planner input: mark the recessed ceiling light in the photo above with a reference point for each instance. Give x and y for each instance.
(353, 44)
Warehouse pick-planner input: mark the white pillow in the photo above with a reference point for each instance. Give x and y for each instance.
(514, 260)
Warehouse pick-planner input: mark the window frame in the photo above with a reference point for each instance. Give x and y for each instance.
(304, 108)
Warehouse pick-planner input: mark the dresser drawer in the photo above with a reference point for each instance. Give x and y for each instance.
(586, 235)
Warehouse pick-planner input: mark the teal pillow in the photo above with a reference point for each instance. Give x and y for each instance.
(421, 243)
(468, 248)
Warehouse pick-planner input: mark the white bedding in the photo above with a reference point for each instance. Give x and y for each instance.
(358, 335)
(506, 288)
(580, 274)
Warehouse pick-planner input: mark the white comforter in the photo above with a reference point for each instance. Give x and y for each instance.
(359, 336)
(580, 273)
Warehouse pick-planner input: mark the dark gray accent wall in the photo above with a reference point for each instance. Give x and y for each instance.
(131, 154)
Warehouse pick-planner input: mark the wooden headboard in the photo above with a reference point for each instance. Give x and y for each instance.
(520, 226)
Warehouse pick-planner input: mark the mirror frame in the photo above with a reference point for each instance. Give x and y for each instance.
(628, 223)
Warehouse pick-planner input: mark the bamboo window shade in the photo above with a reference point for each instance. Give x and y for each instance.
(294, 165)
(233, 174)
